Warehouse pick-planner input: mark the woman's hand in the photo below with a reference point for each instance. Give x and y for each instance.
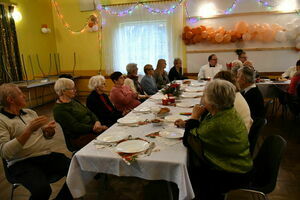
(198, 110)
(180, 123)
(98, 128)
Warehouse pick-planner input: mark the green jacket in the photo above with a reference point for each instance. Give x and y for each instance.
(224, 141)
(74, 118)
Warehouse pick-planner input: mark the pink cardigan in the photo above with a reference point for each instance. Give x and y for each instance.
(124, 98)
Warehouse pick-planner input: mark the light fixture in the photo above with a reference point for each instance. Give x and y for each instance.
(207, 10)
(16, 15)
(287, 5)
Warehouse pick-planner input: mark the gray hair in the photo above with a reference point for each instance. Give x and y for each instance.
(220, 93)
(96, 81)
(248, 73)
(62, 84)
(131, 67)
(7, 90)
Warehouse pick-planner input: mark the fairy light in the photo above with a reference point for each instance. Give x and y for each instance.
(65, 24)
(130, 10)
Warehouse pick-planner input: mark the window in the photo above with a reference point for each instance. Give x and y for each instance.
(142, 42)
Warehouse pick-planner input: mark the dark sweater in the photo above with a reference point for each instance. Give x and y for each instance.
(74, 118)
(175, 75)
(255, 101)
(101, 110)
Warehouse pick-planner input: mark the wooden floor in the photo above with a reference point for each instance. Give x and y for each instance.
(288, 183)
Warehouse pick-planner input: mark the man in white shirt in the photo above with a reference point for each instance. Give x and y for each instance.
(291, 71)
(211, 69)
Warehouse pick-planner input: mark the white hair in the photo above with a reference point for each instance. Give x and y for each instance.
(131, 67)
(96, 81)
(62, 84)
(220, 93)
(248, 73)
(7, 90)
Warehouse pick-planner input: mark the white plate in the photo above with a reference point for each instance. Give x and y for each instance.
(132, 146)
(192, 95)
(197, 84)
(194, 89)
(185, 105)
(142, 110)
(128, 120)
(115, 137)
(172, 133)
(173, 118)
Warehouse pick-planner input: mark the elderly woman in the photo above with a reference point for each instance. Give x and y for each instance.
(121, 95)
(240, 104)
(99, 103)
(26, 143)
(236, 65)
(160, 75)
(148, 82)
(79, 124)
(218, 145)
(175, 72)
(132, 81)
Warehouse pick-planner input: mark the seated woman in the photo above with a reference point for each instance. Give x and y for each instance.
(240, 104)
(132, 81)
(79, 124)
(148, 82)
(99, 103)
(160, 75)
(218, 145)
(175, 72)
(121, 95)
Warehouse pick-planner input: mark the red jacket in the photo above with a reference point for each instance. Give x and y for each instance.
(294, 82)
(124, 98)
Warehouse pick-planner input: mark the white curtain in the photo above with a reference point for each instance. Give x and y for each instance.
(141, 37)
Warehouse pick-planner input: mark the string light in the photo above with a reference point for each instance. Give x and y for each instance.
(232, 7)
(67, 25)
(150, 9)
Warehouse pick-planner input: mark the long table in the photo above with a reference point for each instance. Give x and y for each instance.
(269, 89)
(170, 163)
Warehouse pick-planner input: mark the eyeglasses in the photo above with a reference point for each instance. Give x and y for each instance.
(150, 69)
(214, 59)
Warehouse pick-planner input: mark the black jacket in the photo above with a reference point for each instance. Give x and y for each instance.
(97, 106)
(255, 101)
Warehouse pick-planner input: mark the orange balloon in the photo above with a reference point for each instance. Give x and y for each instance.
(268, 35)
(194, 30)
(187, 29)
(203, 28)
(219, 37)
(210, 30)
(227, 38)
(246, 36)
(198, 30)
(189, 35)
(241, 27)
(204, 34)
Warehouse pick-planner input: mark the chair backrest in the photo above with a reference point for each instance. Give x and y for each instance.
(255, 131)
(67, 139)
(6, 171)
(266, 164)
(298, 90)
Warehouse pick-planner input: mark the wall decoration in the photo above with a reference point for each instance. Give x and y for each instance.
(93, 24)
(243, 32)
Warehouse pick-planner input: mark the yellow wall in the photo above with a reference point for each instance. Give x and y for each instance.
(31, 40)
(85, 45)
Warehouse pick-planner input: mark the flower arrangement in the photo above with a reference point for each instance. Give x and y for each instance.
(172, 90)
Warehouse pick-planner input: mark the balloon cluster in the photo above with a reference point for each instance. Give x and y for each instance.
(292, 33)
(242, 32)
(93, 23)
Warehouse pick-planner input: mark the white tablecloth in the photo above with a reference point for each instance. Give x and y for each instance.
(170, 163)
